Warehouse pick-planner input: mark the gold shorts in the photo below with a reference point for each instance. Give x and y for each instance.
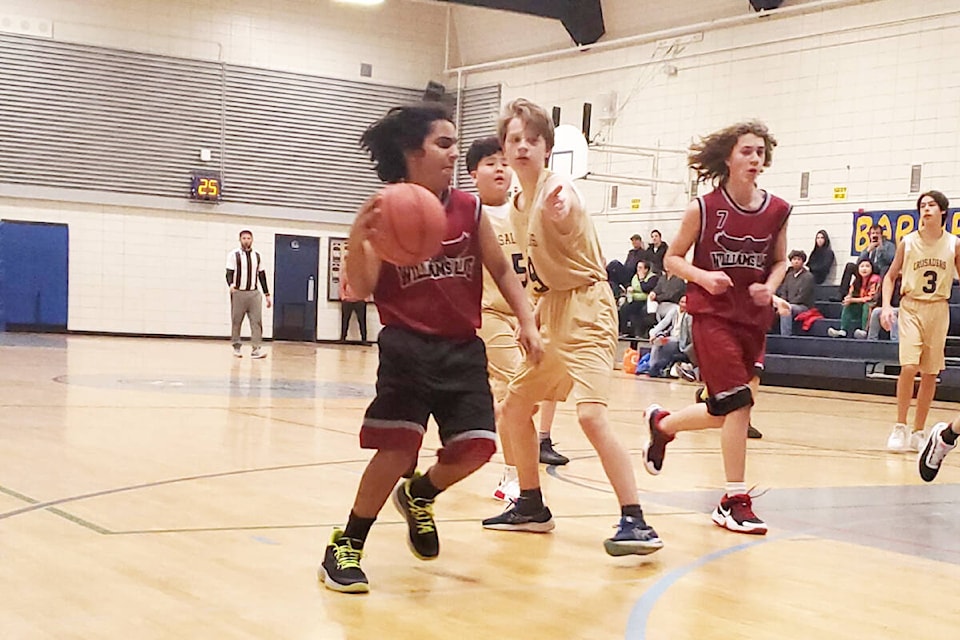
(923, 333)
(498, 331)
(579, 330)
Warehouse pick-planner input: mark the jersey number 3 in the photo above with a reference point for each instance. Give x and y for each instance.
(931, 285)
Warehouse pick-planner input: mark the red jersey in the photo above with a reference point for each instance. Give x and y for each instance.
(440, 296)
(740, 243)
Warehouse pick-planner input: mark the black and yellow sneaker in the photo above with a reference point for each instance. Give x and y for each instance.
(423, 540)
(340, 569)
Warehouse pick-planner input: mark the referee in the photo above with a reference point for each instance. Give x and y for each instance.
(244, 272)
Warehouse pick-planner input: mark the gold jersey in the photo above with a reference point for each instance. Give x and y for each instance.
(928, 267)
(499, 217)
(557, 261)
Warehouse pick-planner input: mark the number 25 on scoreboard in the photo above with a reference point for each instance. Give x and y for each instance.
(205, 186)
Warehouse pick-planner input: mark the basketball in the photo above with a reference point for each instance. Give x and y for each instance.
(412, 224)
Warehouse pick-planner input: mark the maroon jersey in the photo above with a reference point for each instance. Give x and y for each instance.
(740, 243)
(440, 296)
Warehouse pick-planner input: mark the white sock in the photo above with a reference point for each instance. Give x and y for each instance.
(736, 488)
(509, 473)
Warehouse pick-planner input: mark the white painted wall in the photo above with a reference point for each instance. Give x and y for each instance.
(161, 270)
(854, 95)
(144, 271)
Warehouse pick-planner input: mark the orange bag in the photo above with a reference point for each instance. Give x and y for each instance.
(630, 359)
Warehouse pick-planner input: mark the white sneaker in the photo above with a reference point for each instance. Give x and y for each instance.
(859, 334)
(916, 440)
(509, 488)
(898, 438)
(836, 333)
(236, 352)
(258, 353)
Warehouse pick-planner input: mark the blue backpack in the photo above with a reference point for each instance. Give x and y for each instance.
(643, 364)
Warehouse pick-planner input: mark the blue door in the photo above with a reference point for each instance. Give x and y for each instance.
(295, 288)
(33, 276)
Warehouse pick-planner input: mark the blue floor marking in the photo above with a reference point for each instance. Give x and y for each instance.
(640, 614)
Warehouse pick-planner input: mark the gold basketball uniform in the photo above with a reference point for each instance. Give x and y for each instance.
(578, 315)
(927, 276)
(498, 326)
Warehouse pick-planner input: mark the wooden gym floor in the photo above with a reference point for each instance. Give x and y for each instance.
(164, 489)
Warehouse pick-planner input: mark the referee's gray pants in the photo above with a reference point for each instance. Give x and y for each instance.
(246, 303)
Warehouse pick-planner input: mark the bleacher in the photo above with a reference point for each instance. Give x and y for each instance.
(810, 359)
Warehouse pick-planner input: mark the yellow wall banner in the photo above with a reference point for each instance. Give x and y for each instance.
(896, 224)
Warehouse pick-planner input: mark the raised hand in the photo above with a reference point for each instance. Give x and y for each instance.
(557, 204)
(368, 217)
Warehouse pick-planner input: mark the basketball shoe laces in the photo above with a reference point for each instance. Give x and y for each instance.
(422, 511)
(741, 505)
(347, 557)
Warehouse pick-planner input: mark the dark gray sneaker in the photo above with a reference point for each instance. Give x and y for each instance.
(633, 536)
(423, 540)
(549, 455)
(513, 520)
(340, 569)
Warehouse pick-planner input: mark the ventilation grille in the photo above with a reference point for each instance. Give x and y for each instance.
(83, 117)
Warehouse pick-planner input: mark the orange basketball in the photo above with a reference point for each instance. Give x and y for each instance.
(411, 226)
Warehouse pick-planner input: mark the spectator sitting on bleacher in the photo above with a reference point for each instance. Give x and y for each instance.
(797, 289)
(821, 258)
(620, 273)
(873, 324)
(636, 255)
(667, 294)
(635, 321)
(880, 252)
(672, 346)
(655, 252)
(859, 301)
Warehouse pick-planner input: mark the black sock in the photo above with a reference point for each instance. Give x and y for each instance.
(358, 528)
(422, 488)
(632, 510)
(530, 502)
(948, 436)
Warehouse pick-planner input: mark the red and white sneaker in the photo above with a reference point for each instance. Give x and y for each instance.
(736, 514)
(509, 488)
(657, 444)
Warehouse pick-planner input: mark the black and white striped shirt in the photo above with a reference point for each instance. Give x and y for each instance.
(246, 266)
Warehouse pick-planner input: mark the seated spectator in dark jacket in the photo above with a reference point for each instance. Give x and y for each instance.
(635, 255)
(797, 289)
(667, 294)
(656, 250)
(673, 345)
(879, 252)
(821, 259)
(634, 319)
